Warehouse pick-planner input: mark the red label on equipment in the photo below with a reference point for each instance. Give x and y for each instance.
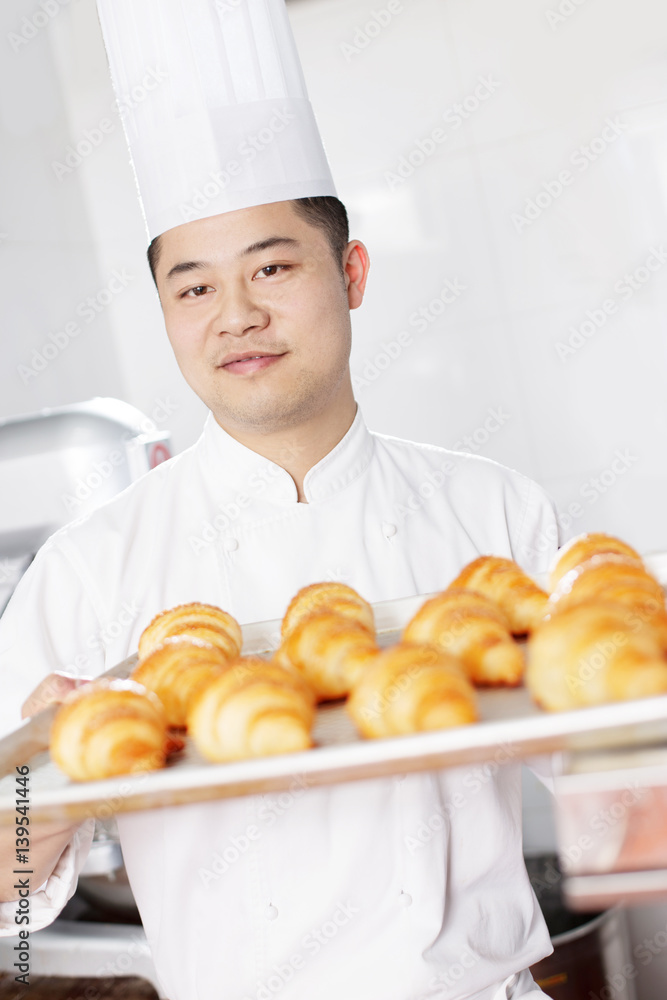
(158, 454)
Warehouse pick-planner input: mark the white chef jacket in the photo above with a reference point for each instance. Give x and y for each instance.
(390, 889)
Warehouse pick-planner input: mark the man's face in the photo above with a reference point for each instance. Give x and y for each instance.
(257, 312)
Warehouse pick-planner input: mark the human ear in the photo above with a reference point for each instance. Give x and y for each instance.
(356, 264)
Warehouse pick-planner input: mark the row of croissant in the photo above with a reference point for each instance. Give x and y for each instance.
(600, 635)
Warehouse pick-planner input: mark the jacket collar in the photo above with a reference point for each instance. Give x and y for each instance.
(245, 475)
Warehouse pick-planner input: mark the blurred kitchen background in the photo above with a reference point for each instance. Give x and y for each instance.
(506, 165)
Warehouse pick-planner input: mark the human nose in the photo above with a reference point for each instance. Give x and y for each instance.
(239, 312)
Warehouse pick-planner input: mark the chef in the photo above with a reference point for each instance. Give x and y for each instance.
(391, 889)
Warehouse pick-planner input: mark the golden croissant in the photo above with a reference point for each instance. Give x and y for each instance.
(578, 550)
(253, 709)
(176, 670)
(471, 627)
(333, 597)
(612, 577)
(199, 621)
(592, 653)
(330, 651)
(108, 728)
(409, 688)
(503, 581)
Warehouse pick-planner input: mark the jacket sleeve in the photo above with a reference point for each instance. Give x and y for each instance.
(48, 900)
(47, 626)
(51, 623)
(536, 535)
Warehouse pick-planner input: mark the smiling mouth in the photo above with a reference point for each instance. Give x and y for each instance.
(250, 364)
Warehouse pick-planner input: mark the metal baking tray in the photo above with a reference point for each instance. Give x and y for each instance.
(511, 727)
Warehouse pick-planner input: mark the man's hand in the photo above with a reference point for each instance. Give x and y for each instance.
(47, 840)
(52, 690)
(47, 843)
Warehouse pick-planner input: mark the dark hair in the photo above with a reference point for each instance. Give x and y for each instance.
(325, 212)
(328, 214)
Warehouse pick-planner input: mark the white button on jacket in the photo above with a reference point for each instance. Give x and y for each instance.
(373, 890)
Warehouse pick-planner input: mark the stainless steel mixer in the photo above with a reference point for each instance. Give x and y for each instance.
(55, 466)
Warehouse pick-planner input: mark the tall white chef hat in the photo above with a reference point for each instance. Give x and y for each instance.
(214, 106)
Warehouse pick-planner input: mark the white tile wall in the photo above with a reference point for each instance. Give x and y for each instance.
(556, 87)
(45, 245)
(555, 84)
(116, 231)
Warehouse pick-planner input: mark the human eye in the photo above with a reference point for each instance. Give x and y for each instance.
(269, 270)
(196, 292)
